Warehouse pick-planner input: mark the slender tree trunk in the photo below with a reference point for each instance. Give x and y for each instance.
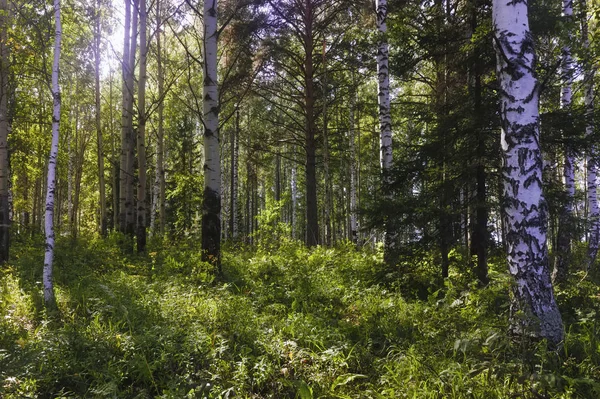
(234, 220)
(385, 118)
(312, 215)
(70, 167)
(160, 164)
(127, 92)
(211, 208)
(99, 142)
(49, 298)
(4, 131)
(114, 163)
(592, 156)
(524, 206)
(294, 190)
(141, 137)
(126, 211)
(353, 170)
(130, 144)
(327, 172)
(565, 222)
(479, 240)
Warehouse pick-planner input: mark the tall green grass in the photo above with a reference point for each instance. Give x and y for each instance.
(284, 322)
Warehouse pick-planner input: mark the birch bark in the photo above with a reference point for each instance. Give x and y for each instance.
(129, 136)
(385, 117)
(125, 174)
(49, 298)
(211, 207)
(592, 156)
(563, 241)
(523, 203)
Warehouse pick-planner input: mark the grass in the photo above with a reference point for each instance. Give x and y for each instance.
(285, 322)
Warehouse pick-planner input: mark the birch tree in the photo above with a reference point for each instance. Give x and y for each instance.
(4, 130)
(126, 217)
(563, 241)
(385, 117)
(592, 162)
(523, 203)
(211, 207)
(49, 298)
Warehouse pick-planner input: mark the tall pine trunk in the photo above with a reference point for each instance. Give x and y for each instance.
(4, 130)
(312, 216)
(479, 238)
(211, 207)
(524, 207)
(385, 117)
(49, 298)
(565, 222)
(329, 225)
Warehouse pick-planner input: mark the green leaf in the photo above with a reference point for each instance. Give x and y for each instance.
(345, 379)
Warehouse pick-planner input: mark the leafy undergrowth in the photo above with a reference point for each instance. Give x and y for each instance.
(283, 323)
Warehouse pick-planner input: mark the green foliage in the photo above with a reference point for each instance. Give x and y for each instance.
(290, 322)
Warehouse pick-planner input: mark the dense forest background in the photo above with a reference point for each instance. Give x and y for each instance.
(298, 198)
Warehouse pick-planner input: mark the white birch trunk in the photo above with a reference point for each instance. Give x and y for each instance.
(211, 212)
(563, 250)
(523, 203)
(51, 185)
(129, 142)
(592, 161)
(385, 117)
(126, 92)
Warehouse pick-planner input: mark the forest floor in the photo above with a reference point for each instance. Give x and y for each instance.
(283, 322)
